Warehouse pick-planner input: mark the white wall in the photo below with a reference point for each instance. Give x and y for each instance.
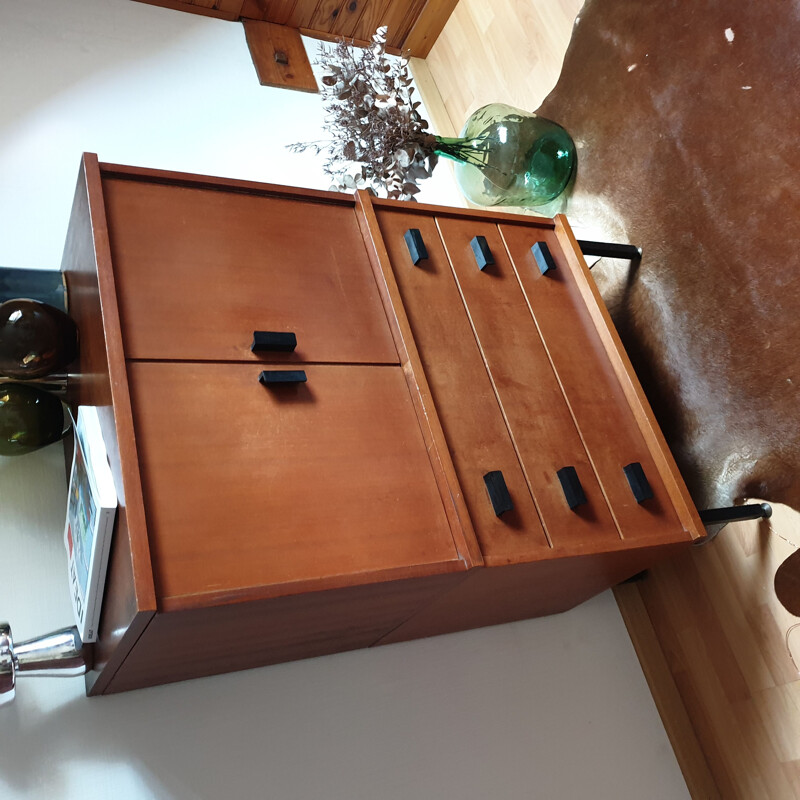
(551, 708)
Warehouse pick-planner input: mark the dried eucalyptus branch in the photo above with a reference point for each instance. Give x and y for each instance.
(378, 137)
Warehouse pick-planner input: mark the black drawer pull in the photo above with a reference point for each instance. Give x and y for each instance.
(544, 258)
(416, 247)
(483, 253)
(498, 492)
(638, 482)
(273, 342)
(276, 377)
(571, 486)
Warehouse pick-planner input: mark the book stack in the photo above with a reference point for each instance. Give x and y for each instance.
(91, 508)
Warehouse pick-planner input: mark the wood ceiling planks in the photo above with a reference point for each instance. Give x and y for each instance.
(413, 24)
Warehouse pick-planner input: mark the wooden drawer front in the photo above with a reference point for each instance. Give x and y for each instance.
(538, 418)
(462, 391)
(198, 270)
(605, 421)
(248, 486)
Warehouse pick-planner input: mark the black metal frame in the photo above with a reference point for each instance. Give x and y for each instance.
(610, 250)
(722, 516)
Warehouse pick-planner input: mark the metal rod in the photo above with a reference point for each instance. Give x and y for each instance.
(722, 516)
(610, 250)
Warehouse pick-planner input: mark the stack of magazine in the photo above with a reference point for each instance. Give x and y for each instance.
(91, 508)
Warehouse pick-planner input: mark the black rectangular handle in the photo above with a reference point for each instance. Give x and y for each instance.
(544, 258)
(571, 486)
(277, 377)
(498, 492)
(273, 342)
(638, 482)
(416, 247)
(483, 253)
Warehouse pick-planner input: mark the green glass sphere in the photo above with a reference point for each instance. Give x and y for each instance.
(30, 418)
(509, 157)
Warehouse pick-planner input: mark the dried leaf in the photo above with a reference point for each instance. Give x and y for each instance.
(374, 126)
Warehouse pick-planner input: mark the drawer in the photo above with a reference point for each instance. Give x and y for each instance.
(541, 426)
(322, 483)
(462, 391)
(598, 404)
(198, 270)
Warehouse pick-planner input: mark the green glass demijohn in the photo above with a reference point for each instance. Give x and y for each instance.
(30, 418)
(509, 157)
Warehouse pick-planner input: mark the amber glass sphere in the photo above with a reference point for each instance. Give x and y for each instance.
(36, 339)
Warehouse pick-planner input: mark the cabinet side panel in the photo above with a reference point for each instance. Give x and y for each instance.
(100, 379)
(192, 644)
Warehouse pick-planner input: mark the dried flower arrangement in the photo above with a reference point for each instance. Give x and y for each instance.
(378, 137)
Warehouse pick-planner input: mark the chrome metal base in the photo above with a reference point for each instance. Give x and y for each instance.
(60, 653)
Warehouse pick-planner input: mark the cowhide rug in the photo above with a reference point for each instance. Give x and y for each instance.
(687, 120)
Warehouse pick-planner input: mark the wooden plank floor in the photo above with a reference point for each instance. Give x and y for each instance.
(720, 653)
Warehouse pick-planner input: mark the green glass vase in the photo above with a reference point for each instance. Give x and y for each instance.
(509, 157)
(30, 418)
(36, 339)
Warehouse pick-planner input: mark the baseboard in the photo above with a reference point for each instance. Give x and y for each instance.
(676, 721)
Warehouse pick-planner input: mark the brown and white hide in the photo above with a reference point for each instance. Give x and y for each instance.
(687, 121)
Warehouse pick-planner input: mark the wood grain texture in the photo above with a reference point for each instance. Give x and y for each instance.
(430, 425)
(428, 25)
(520, 591)
(208, 8)
(191, 644)
(682, 735)
(253, 491)
(465, 401)
(733, 652)
(413, 24)
(194, 181)
(277, 11)
(269, 45)
(626, 375)
(349, 20)
(236, 263)
(527, 390)
(508, 51)
(399, 18)
(325, 15)
(100, 380)
(275, 510)
(301, 14)
(605, 420)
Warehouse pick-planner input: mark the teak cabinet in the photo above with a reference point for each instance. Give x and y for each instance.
(455, 439)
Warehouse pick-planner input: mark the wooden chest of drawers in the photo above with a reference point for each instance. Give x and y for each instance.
(459, 451)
